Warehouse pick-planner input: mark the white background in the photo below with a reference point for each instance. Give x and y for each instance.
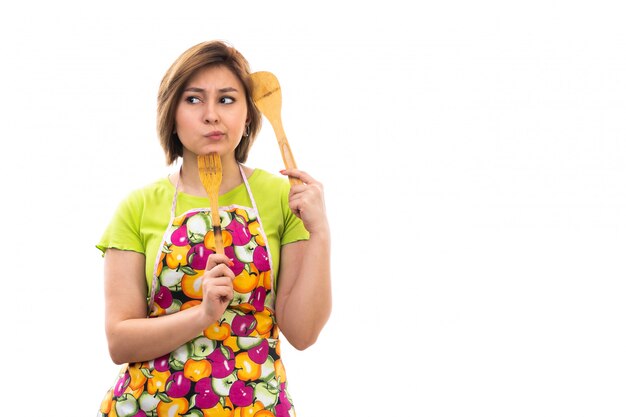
(473, 158)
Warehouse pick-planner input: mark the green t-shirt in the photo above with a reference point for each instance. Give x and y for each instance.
(141, 219)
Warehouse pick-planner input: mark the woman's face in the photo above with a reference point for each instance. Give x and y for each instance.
(211, 114)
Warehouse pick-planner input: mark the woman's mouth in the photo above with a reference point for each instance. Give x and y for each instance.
(215, 135)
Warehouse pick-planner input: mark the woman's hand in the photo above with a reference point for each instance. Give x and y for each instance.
(306, 200)
(217, 287)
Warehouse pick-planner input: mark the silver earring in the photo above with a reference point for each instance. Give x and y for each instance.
(245, 135)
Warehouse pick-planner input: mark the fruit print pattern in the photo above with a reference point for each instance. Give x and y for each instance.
(232, 369)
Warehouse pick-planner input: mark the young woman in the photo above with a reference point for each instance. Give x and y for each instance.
(199, 330)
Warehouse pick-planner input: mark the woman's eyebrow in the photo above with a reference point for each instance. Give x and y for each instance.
(202, 90)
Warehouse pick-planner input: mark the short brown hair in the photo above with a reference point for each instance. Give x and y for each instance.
(200, 56)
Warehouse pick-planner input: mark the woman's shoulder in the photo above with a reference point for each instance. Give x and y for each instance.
(263, 179)
(150, 193)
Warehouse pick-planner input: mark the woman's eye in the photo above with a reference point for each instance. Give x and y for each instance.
(192, 100)
(227, 100)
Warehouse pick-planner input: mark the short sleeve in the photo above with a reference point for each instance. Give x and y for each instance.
(123, 232)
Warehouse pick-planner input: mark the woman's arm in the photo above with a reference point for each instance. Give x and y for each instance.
(303, 301)
(134, 338)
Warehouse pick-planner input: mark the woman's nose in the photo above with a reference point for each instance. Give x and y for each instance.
(210, 114)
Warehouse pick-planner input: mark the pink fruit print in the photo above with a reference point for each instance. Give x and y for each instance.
(222, 362)
(239, 230)
(282, 397)
(260, 258)
(198, 256)
(243, 324)
(121, 384)
(257, 298)
(179, 236)
(205, 396)
(260, 352)
(241, 394)
(177, 385)
(164, 297)
(161, 363)
(238, 266)
(282, 409)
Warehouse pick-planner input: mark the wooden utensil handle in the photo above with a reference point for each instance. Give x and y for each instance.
(219, 243)
(290, 163)
(285, 151)
(217, 226)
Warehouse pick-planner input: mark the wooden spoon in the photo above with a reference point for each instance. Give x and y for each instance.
(267, 96)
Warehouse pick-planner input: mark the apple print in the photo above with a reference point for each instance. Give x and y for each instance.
(266, 393)
(170, 277)
(261, 260)
(257, 298)
(283, 394)
(161, 363)
(247, 343)
(148, 402)
(239, 230)
(238, 266)
(197, 227)
(268, 371)
(284, 403)
(126, 406)
(224, 219)
(180, 356)
(222, 361)
(176, 304)
(177, 385)
(243, 324)
(121, 384)
(245, 252)
(251, 215)
(241, 394)
(221, 386)
(164, 297)
(198, 256)
(282, 410)
(259, 353)
(179, 236)
(202, 347)
(205, 395)
(239, 298)
(228, 316)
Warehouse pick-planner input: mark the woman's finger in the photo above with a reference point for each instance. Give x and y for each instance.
(301, 175)
(216, 259)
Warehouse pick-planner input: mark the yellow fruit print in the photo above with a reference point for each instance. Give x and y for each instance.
(137, 378)
(192, 284)
(195, 370)
(156, 383)
(217, 331)
(176, 407)
(177, 256)
(247, 369)
(245, 282)
(107, 401)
